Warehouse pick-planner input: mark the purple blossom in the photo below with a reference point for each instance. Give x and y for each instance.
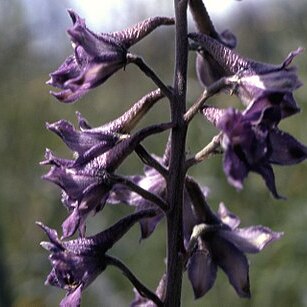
(153, 182)
(252, 142)
(85, 181)
(218, 242)
(77, 263)
(255, 80)
(96, 56)
(85, 141)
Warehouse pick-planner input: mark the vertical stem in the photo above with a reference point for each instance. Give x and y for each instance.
(175, 182)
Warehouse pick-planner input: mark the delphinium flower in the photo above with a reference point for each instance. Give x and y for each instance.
(217, 241)
(86, 182)
(151, 181)
(96, 56)
(92, 141)
(155, 183)
(252, 142)
(273, 84)
(76, 263)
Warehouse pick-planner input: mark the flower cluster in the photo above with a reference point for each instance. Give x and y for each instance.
(250, 139)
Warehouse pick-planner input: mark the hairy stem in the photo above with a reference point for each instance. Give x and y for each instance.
(175, 183)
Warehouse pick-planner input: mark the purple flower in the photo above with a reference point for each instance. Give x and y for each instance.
(76, 263)
(96, 56)
(252, 142)
(85, 141)
(254, 79)
(153, 182)
(218, 242)
(85, 181)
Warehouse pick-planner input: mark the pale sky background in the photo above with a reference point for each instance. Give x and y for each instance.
(103, 12)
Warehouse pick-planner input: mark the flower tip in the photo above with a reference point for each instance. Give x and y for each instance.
(299, 50)
(48, 125)
(64, 96)
(73, 15)
(279, 235)
(40, 224)
(45, 245)
(45, 228)
(48, 157)
(49, 82)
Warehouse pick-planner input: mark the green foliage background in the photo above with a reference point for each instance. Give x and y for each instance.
(32, 44)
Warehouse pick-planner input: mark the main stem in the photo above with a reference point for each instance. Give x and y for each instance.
(175, 184)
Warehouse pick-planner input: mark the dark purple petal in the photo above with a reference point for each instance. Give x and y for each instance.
(104, 46)
(197, 200)
(149, 225)
(235, 169)
(251, 239)
(92, 200)
(55, 243)
(72, 223)
(68, 70)
(201, 272)
(51, 159)
(71, 180)
(233, 262)
(266, 171)
(82, 141)
(286, 150)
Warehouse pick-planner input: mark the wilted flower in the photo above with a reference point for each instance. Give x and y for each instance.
(254, 79)
(218, 242)
(252, 142)
(96, 56)
(76, 263)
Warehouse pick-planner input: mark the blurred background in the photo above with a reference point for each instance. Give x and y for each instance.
(33, 43)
